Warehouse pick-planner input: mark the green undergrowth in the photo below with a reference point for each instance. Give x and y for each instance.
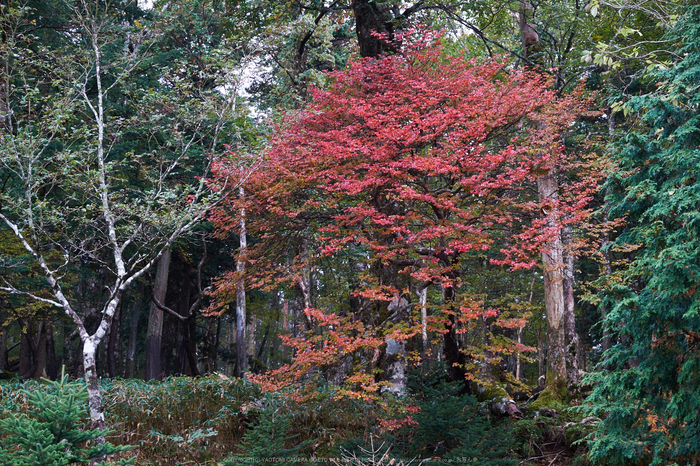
(207, 420)
(180, 419)
(452, 425)
(47, 424)
(557, 431)
(214, 420)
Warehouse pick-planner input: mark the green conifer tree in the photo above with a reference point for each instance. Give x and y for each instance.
(51, 432)
(451, 425)
(648, 396)
(269, 435)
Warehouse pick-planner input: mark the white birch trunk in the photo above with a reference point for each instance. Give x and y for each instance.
(423, 299)
(241, 338)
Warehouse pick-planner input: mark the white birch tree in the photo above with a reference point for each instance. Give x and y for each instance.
(74, 197)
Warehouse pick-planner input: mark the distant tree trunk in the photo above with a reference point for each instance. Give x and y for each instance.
(155, 320)
(113, 345)
(287, 326)
(518, 369)
(210, 344)
(241, 350)
(26, 348)
(573, 344)
(453, 355)
(252, 326)
(51, 363)
(133, 332)
(540, 359)
(186, 349)
(191, 365)
(396, 355)
(423, 299)
(304, 282)
(607, 334)
(231, 364)
(40, 353)
(71, 360)
(4, 357)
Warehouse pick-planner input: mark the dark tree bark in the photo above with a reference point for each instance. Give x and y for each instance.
(4, 357)
(210, 345)
(40, 353)
(184, 360)
(573, 343)
(540, 359)
(133, 332)
(155, 320)
(51, 362)
(190, 345)
(373, 17)
(26, 349)
(453, 356)
(113, 345)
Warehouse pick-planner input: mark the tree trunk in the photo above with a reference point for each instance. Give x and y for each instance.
(210, 345)
(423, 299)
(4, 358)
(93, 388)
(113, 345)
(252, 326)
(241, 349)
(607, 340)
(133, 332)
(192, 367)
(51, 363)
(518, 362)
(187, 360)
(373, 17)
(453, 356)
(553, 253)
(26, 349)
(573, 344)
(304, 282)
(518, 369)
(72, 351)
(155, 320)
(40, 359)
(607, 334)
(553, 265)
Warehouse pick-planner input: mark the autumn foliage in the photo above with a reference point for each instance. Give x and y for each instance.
(415, 162)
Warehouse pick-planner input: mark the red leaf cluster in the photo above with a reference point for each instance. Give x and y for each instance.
(418, 160)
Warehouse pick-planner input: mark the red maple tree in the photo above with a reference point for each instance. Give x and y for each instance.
(419, 160)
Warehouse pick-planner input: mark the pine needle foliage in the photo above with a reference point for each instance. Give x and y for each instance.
(52, 431)
(648, 397)
(270, 434)
(452, 425)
